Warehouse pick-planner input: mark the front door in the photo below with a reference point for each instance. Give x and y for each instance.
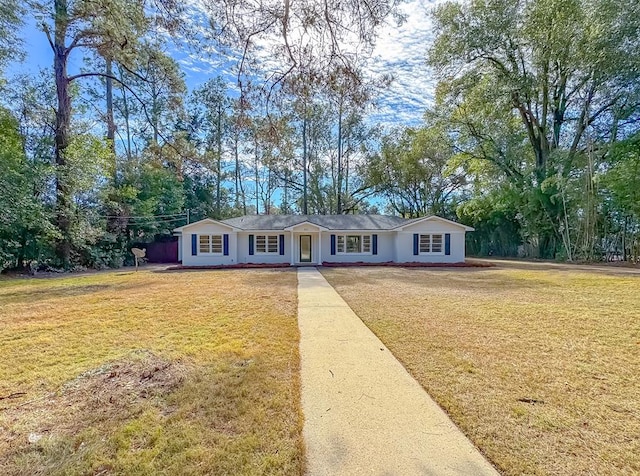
(305, 248)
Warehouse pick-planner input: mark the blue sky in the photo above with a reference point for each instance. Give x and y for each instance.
(400, 51)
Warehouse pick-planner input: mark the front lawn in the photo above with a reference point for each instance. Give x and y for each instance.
(540, 368)
(150, 373)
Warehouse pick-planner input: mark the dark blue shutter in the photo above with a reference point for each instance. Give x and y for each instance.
(374, 244)
(333, 244)
(416, 242)
(250, 244)
(194, 244)
(225, 244)
(447, 243)
(282, 245)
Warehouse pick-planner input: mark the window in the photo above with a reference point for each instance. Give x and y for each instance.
(267, 244)
(366, 243)
(353, 244)
(431, 244)
(210, 244)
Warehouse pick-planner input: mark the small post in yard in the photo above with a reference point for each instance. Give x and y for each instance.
(138, 254)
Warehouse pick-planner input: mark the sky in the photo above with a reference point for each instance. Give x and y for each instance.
(400, 50)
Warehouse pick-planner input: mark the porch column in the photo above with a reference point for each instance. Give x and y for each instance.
(320, 247)
(292, 245)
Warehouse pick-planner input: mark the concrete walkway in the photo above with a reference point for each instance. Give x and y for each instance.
(364, 414)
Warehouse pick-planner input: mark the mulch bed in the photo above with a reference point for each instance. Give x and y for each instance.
(231, 266)
(391, 264)
(414, 264)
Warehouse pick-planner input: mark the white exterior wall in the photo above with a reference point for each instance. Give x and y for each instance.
(207, 259)
(404, 243)
(271, 258)
(393, 246)
(386, 248)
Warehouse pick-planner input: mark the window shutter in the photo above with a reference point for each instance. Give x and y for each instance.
(251, 237)
(333, 244)
(282, 245)
(374, 244)
(225, 244)
(447, 243)
(416, 241)
(194, 244)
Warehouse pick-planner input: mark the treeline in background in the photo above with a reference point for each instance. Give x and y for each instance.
(532, 136)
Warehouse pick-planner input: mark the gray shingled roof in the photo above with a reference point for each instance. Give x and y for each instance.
(331, 222)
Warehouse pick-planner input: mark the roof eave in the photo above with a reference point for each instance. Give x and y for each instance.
(432, 217)
(180, 229)
(306, 222)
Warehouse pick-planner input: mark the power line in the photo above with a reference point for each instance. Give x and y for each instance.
(144, 217)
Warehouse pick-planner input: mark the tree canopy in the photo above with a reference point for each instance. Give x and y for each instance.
(531, 138)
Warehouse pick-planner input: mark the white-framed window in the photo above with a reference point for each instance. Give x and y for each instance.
(267, 244)
(431, 244)
(357, 244)
(210, 244)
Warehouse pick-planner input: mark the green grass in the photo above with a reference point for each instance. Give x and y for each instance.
(540, 368)
(151, 373)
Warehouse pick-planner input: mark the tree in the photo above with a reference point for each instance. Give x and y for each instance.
(10, 21)
(308, 38)
(564, 68)
(112, 29)
(623, 198)
(415, 172)
(74, 25)
(23, 216)
(212, 110)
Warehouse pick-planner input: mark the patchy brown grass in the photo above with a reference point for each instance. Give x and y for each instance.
(150, 373)
(540, 368)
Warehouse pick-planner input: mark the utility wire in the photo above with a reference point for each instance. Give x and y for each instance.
(147, 217)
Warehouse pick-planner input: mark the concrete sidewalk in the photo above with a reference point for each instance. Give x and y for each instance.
(364, 414)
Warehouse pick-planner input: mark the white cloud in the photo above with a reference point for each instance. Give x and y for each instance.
(402, 51)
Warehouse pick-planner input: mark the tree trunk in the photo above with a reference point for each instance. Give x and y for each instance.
(239, 189)
(285, 193)
(155, 113)
(219, 162)
(257, 177)
(111, 126)
(346, 176)
(22, 251)
(305, 195)
(127, 126)
(339, 166)
(63, 118)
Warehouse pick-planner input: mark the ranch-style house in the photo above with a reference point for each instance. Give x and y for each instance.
(316, 239)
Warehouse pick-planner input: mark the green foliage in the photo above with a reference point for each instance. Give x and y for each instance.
(623, 178)
(530, 86)
(497, 222)
(621, 205)
(89, 159)
(417, 172)
(24, 225)
(10, 20)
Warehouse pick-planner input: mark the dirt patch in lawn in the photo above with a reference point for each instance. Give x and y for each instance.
(540, 368)
(50, 427)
